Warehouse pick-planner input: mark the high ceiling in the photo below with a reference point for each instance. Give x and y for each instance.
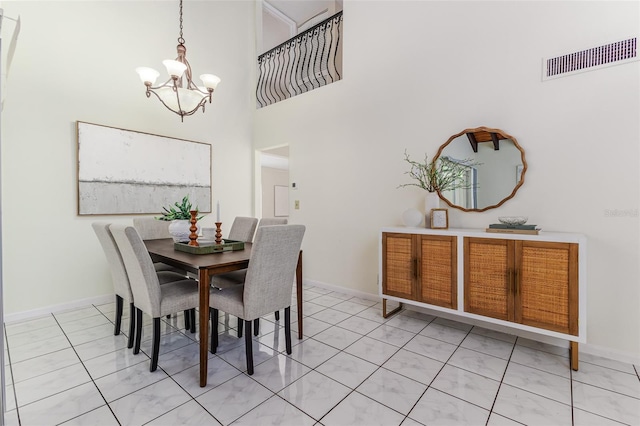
(301, 11)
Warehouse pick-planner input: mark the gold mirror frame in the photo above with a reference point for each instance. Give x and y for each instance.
(503, 135)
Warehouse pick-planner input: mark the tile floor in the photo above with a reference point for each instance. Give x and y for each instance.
(352, 368)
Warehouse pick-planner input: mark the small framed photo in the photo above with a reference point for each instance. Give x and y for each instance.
(439, 218)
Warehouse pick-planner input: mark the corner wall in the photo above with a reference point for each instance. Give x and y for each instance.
(417, 72)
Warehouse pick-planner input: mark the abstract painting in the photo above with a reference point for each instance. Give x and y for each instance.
(127, 172)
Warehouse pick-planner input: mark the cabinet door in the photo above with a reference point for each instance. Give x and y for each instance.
(488, 277)
(546, 285)
(437, 270)
(398, 265)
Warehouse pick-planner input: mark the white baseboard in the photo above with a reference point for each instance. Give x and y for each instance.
(339, 289)
(614, 354)
(587, 348)
(48, 310)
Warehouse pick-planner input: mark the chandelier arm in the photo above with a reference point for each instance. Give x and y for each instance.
(165, 84)
(180, 113)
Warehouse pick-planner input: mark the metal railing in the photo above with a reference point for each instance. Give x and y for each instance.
(310, 60)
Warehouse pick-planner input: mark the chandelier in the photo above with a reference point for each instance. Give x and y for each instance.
(179, 93)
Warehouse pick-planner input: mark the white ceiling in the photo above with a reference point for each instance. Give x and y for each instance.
(301, 11)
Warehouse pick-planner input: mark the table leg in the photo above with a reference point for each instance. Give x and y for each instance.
(203, 285)
(299, 293)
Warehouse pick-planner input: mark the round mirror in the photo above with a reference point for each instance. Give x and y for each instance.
(493, 168)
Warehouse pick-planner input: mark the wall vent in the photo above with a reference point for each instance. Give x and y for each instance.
(617, 53)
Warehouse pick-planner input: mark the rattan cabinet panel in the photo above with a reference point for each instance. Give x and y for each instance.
(437, 278)
(398, 265)
(529, 282)
(420, 267)
(547, 285)
(488, 276)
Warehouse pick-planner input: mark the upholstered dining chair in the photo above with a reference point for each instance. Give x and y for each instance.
(120, 279)
(151, 228)
(243, 228)
(150, 297)
(267, 287)
(237, 277)
(270, 221)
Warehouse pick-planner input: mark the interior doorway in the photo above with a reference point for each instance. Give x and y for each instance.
(272, 183)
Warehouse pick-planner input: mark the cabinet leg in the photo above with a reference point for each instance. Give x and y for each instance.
(574, 356)
(386, 314)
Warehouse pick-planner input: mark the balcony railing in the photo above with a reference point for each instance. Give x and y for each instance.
(310, 60)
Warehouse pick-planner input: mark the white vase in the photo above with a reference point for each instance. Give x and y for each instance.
(431, 201)
(179, 230)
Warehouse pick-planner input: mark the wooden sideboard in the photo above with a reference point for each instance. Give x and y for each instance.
(535, 283)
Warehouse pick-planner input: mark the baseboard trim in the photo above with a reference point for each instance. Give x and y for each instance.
(339, 289)
(53, 309)
(609, 353)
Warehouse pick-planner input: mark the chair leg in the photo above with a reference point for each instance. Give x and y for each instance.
(213, 313)
(116, 330)
(248, 343)
(156, 344)
(256, 325)
(136, 348)
(240, 326)
(287, 328)
(187, 320)
(192, 318)
(277, 314)
(132, 325)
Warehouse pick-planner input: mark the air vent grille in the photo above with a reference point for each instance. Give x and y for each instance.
(590, 59)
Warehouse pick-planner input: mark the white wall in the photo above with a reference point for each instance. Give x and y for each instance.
(416, 73)
(76, 61)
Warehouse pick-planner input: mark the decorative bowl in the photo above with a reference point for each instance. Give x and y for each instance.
(513, 220)
(412, 218)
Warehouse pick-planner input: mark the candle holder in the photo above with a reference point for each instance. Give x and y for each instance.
(193, 236)
(218, 233)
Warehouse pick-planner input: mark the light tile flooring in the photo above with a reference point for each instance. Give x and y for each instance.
(352, 368)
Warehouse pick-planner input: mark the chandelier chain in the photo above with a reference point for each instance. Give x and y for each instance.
(180, 39)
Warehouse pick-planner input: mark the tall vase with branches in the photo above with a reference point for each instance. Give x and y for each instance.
(436, 176)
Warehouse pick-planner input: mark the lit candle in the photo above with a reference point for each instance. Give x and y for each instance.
(218, 211)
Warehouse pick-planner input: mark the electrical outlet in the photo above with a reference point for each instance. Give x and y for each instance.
(296, 204)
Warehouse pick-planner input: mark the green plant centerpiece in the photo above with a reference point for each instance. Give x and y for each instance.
(180, 217)
(183, 211)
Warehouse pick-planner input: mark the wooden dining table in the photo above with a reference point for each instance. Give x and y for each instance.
(205, 266)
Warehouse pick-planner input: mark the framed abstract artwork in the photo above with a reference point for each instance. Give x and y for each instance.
(127, 172)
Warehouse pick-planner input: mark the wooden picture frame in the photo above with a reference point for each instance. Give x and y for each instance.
(439, 218)
(128, 172)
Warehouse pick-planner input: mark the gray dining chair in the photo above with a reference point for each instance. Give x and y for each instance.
(120, 279)
(243, 228)
(270, 221)
(267, 287)
(150, 297)
(237, 277)
(151, 228)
